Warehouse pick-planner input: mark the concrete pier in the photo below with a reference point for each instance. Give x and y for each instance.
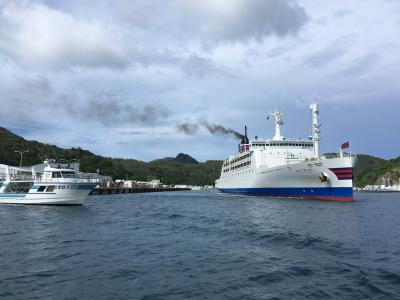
(123, 190)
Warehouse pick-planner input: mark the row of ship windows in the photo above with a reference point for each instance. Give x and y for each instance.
(241, 173)
(284, 144)
(237, 159)
(247, 163)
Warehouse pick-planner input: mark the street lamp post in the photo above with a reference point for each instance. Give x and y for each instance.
(20, 161)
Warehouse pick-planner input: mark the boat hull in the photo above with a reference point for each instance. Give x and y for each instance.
(76, 196)
(300, 180)
(44, 201)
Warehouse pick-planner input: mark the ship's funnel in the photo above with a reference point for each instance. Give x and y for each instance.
(244, 142)
(245, 138)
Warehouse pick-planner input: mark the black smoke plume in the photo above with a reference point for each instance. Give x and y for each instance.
(193, 128)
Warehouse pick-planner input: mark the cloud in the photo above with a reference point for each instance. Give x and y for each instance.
(34, 34)
(112, 112)
(133, 132)
(33, 97)
(215, 21)
(199, 67)
(122, 33)
(341, 13)
(362, 64)
(128, 71)
(258, 19)
(325, 56)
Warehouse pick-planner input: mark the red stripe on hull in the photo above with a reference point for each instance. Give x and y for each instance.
(331, 198)
(342, 171)
(324, 198)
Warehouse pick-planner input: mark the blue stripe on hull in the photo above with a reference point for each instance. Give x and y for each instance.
(333, 192)
(12, 195)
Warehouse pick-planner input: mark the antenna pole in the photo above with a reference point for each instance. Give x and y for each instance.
(20, 161)
(316, 137)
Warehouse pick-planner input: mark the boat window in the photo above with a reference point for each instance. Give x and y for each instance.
(50, 188)
(67, 174)
(41, 188)
(56, 175)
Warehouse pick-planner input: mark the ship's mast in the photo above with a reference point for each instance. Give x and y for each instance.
(316, 137)
(278, 122)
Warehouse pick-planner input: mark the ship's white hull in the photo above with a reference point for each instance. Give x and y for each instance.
(44, 201)
(60, 196)
(294, 180)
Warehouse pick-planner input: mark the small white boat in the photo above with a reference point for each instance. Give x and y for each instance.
(55, 183)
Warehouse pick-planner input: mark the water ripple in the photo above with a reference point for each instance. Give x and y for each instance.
(201, 246)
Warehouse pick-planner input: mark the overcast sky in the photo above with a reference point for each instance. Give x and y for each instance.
(117, 77)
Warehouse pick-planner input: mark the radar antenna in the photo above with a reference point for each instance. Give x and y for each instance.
(278, 122)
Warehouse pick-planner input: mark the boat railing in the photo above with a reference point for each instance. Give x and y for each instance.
(16, 177)
(77, 178)
(338, 155)
(74, 179)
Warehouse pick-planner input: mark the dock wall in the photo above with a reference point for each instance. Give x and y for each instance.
(122, 190)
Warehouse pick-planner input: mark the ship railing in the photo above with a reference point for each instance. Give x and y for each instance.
(16, 177)
(338, 155)
(49, 179)
(69, 180)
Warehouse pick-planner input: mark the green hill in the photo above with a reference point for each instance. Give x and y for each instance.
(374, 170)
(182, 169)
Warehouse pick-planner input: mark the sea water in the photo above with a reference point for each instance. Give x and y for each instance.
(202, 245)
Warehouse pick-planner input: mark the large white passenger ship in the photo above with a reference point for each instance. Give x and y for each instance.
(281, 167)
(56, 183)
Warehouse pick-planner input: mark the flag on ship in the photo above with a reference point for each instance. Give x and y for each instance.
(345, 145)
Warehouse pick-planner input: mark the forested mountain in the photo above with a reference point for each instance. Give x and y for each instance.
(182, 169)
(374, 170)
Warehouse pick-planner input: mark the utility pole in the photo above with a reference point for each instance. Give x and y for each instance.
(20, 161)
